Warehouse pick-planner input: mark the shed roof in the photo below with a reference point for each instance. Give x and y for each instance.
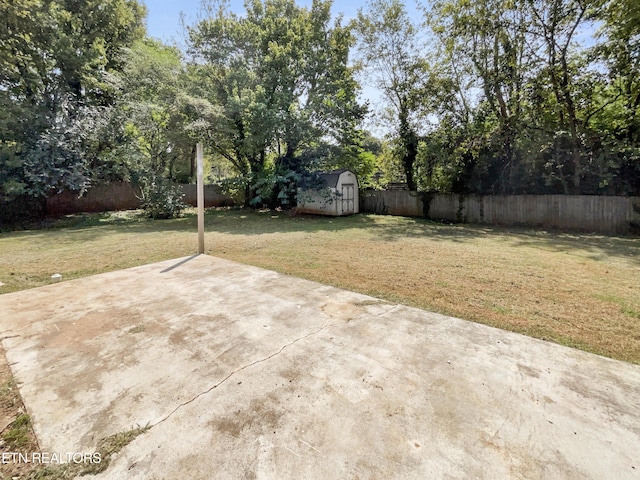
(330, 179)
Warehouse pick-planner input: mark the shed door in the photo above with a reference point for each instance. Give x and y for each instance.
(348, 198)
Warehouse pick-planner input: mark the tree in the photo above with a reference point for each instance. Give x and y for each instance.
(549, 115)
(281, 77)
(487, 39)
(617, 116)
(556, 22)
(158, 148)
(390, 49)
(153, 110)
(59, 61)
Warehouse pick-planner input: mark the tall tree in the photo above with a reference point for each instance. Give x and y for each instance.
(620, 50)
(281, 75)
(615, 117)
(59, 60)
(153, 111)
(550, 113)
(391, 51)
(557, 23)
(487, 38)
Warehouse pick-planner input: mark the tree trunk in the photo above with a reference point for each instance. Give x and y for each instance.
(192, 163)
(576, 144)
(409, 146)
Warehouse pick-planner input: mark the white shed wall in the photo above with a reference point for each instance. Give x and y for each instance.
(343, 199)
(321, 202)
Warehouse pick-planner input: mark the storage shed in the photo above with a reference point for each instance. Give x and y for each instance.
(337, 194)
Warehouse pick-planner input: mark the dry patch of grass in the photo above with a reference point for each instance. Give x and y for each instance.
(577, 290)
(16, 432)
(107, 447)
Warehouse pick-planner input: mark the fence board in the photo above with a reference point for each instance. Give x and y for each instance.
(122, 196)
(603, 214)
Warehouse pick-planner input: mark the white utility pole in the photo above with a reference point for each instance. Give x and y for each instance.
(200, 187)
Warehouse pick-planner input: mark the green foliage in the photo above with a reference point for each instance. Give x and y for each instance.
(276, 189)
(155, 112)
(160, 197)
(392, 53)
(530, 109)
(59, 62)
(159, 147)
(17, 435)
(235, 188)
(491, 96)
(389, 165)
(281, 78)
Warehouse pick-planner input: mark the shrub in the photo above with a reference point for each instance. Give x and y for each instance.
(160, 197)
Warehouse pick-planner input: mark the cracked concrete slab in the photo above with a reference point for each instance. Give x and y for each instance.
(246, 373)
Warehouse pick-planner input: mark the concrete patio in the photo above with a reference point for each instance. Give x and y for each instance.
(246, 373)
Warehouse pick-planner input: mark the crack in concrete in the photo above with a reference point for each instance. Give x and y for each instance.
(184, 404)
(7, 337)
(388, 311)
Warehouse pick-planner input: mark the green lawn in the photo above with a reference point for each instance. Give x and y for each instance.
(578, 290)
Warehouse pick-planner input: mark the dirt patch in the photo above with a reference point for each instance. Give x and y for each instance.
(341, 310)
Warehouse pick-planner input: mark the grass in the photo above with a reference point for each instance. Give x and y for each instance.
(578, 290)
(16, 431)
(107, 447)
(17, 435)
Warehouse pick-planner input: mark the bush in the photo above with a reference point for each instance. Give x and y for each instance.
(21, 210)
(160, 197)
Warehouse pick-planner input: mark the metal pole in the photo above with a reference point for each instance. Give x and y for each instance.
(200, 188)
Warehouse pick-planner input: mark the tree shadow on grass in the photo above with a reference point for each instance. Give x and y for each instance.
(598, 247)
(239, 221)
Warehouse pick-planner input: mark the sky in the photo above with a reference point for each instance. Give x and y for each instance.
(163, 16)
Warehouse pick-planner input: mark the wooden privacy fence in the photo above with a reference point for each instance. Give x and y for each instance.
(122, 196)
(568, 212)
